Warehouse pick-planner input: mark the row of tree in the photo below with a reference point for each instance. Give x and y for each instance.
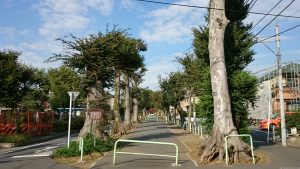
(25, 88)
(97, 66)
(101, 60)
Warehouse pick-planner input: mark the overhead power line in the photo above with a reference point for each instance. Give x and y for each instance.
(281, 32)
(266, 15)
(202, 7)
(252, 3)
(274, 18)
(266, 46)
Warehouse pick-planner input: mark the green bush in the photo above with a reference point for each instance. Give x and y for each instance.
(77, 122)
(72, 151)
(293, 120)
(17, 138)
(88, 147)
(61, 125)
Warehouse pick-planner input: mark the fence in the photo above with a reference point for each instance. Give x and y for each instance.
(146, 142)
(31, 123)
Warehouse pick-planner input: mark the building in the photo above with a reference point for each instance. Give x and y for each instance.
(269, 90)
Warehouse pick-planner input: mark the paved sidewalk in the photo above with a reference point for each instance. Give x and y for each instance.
(149, 132)
(281, 157)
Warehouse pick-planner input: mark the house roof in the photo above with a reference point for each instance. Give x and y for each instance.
(286, 69)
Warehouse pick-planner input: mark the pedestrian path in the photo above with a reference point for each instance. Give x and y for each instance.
(280, 157)
(148, 132)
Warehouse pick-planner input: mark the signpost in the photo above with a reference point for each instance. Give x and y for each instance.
(73, 95)
(95, 115)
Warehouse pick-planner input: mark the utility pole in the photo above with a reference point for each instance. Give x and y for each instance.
(282, 114)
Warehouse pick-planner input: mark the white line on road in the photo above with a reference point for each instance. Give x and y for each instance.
(45, 149)
(33, 145)
(46, 154)
(260, 131)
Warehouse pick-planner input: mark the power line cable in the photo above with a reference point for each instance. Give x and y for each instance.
(202, 7)
(266, 46)
(266, 15)
(274, 18)
(252, 5)
(281, 32)
(286, 18)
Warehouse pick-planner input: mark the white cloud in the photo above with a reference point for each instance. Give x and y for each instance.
(173, 23)
(68, 16)
(128, 4)
(103, 6)
(265, 6)
(31, 58)
(7, 32)
(162, 67)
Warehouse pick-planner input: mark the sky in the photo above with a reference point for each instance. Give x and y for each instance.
(31, 27)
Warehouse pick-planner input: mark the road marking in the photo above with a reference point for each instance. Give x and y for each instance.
(45, 149)
(258, 141)
(45, 154)
(260, 131)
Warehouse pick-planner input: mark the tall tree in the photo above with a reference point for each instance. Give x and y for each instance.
(89, 57)
(62, 80)
(134, 61)
(223, 120)
(136, 80)
(173, 92)
(9, 78)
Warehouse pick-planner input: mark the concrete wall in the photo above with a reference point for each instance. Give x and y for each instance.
(261, 107)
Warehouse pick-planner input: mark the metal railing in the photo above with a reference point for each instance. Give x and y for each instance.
(81, 148)
(240, 135)
(150, 116)
(146, 154)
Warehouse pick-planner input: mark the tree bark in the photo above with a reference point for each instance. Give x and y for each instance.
(127, 102)
(135, 103)
(93, 96)
(181, 114)
(223, 123)
(190, 110)
(118, 129)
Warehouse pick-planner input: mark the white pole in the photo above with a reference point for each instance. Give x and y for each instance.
(69, 127)
(269, 113)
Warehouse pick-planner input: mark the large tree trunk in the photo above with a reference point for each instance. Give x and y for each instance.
(118, 128)
(190, 110)
(223, 123)
(127, 102)
(93, 96)
(135, 104)
(181, 114)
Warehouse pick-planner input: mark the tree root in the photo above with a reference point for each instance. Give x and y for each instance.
(214, 147)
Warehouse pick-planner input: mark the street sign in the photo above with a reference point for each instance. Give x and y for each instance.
(96, 114)
(73, 95)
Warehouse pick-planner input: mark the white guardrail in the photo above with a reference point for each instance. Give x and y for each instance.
(150, 117)
(81, 148)
(146, 154)
(240, 135)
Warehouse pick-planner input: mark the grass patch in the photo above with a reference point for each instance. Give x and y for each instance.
(88, 147)
(18, 139)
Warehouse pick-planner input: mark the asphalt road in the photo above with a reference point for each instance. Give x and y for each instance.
(260, 137)
(36, 156)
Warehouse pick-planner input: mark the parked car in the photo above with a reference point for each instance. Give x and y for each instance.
(274, 121)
